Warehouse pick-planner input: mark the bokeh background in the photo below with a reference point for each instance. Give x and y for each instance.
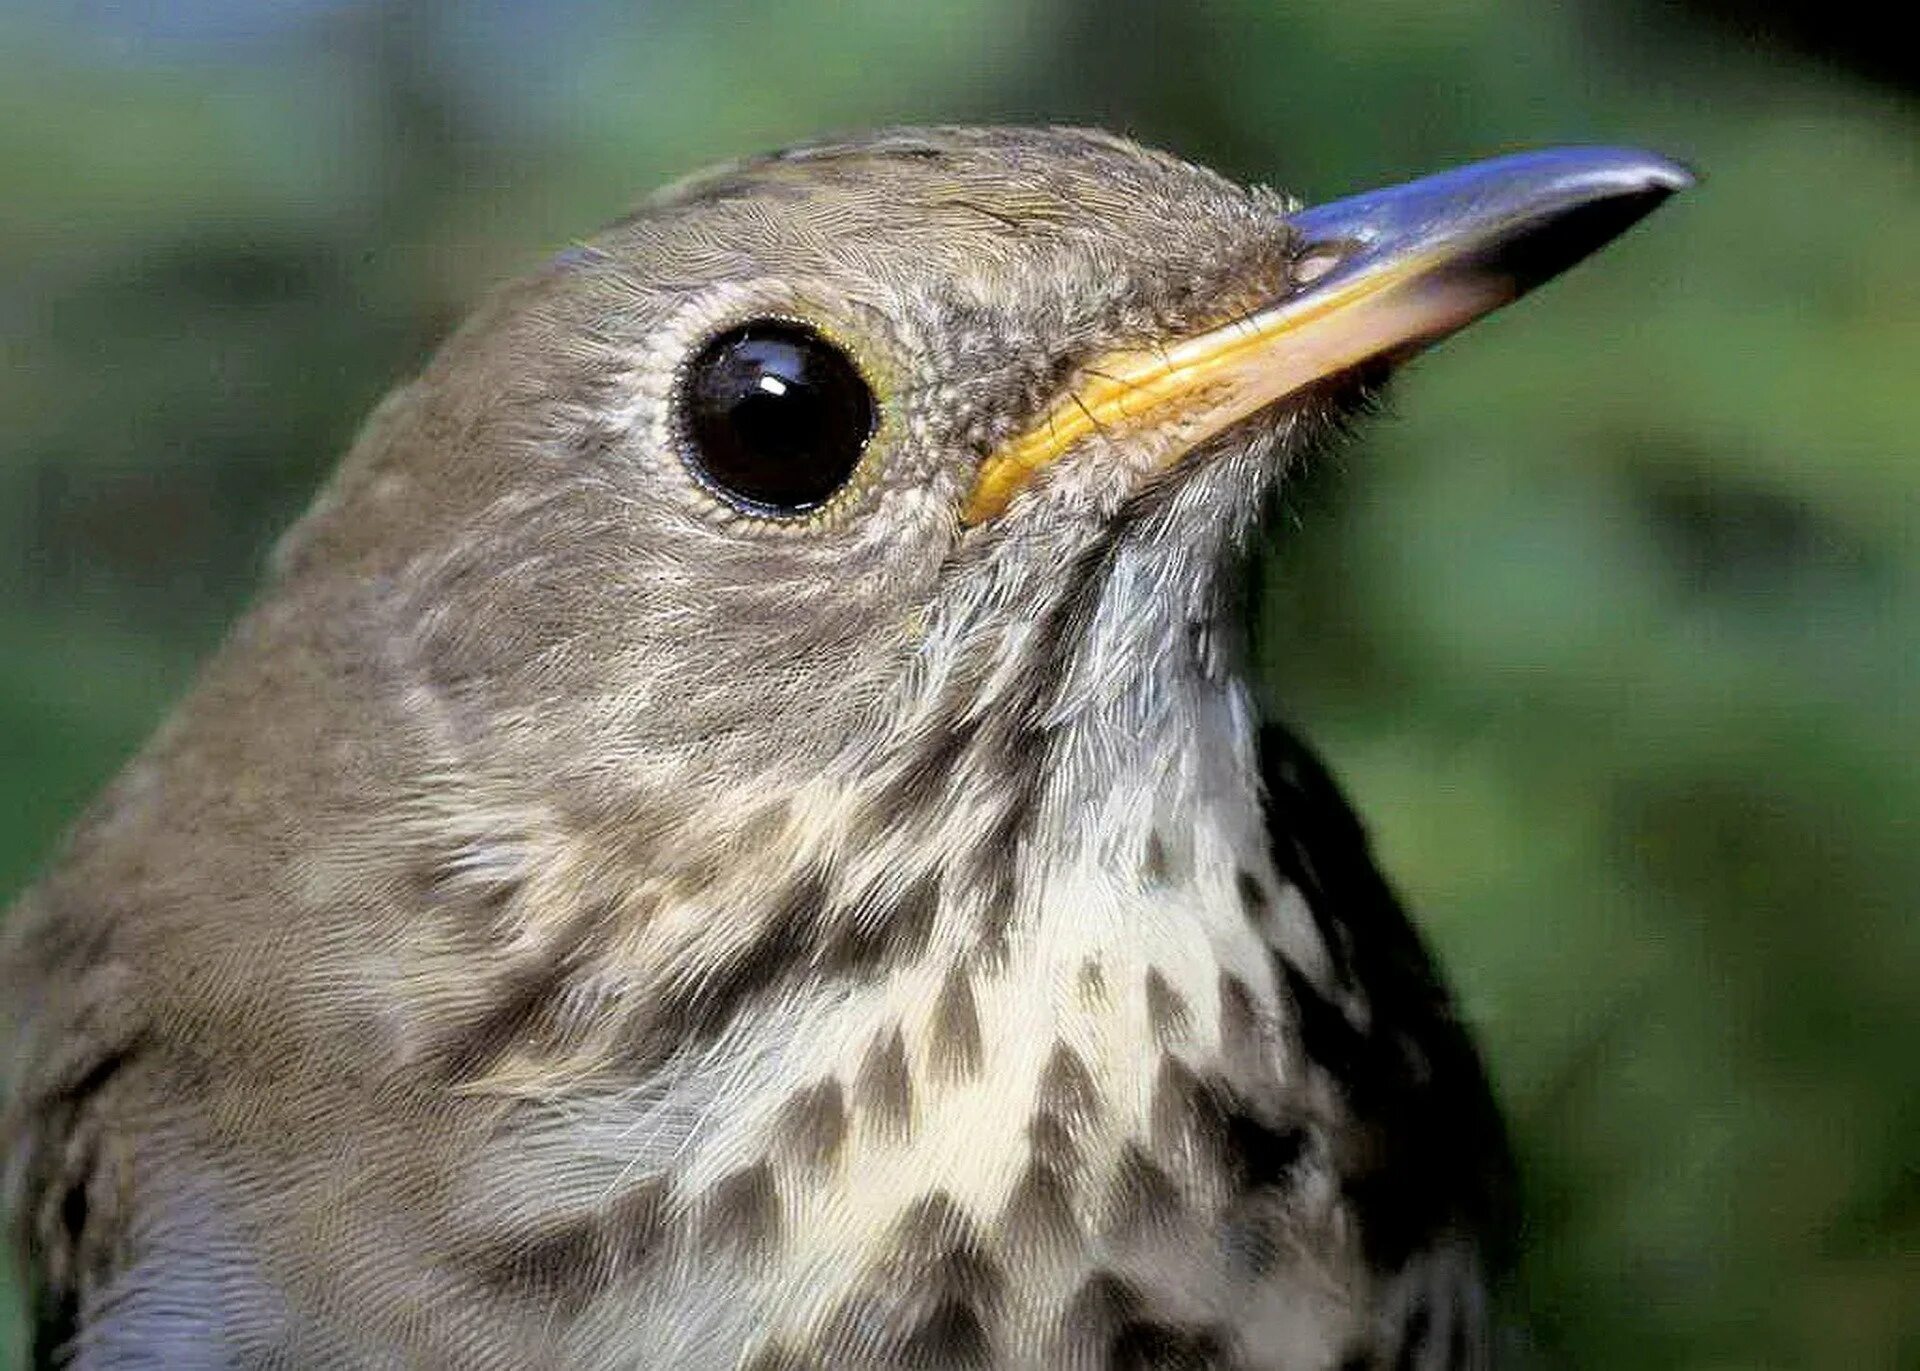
(1612, 625)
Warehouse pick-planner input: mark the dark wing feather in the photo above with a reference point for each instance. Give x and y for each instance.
(1429, 1174)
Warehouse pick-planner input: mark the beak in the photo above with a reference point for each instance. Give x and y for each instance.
(1376, 276)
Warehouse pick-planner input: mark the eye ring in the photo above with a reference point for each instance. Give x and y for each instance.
(774, 417)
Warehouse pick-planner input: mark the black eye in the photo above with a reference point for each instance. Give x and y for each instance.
(776, 416)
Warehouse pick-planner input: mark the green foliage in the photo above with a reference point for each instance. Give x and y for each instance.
(1612, 625)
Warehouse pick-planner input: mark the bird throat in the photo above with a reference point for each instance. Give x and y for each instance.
(1031, 1024)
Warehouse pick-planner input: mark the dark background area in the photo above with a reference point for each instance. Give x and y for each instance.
(1612, 625)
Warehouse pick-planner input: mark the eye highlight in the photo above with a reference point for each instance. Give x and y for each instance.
(775, 416)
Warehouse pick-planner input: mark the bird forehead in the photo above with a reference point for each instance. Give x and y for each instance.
(920, 203)
(1041, 175)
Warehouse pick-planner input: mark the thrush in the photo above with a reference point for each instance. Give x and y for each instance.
(737, 834)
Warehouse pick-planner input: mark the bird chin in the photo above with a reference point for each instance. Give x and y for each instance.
(1255, 461)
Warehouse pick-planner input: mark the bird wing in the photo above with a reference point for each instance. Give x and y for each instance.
(67, 1167)
(1426, 1167)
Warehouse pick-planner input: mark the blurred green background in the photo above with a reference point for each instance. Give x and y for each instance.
(1612, 624)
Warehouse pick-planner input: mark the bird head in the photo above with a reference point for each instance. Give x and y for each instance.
(848, 494)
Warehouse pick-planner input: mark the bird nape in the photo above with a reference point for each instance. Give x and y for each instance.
(736, 835)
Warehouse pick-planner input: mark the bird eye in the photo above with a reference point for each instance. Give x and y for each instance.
(776, 417)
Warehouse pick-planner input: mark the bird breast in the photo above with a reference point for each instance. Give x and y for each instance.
(1006, 1148)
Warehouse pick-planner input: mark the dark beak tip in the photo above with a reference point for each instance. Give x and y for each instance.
(1567, 203)
(1666, 175)
(1624, 166)
(1529, 215)
(1623, 173)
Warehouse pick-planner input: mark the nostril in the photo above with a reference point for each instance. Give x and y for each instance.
(1315, 264)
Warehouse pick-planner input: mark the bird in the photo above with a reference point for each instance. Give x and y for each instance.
(737, 833)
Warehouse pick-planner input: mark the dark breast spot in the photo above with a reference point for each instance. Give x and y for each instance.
(927, 1301)
(953, 1034)
(1066, 1087)
(995, 869)
(1108, 1327)
(1180, 1122)
(813, 1126)
(1092, 983)
(914, 915)
(1053, 1142)
(1142, 1345)
(1327, 1036)
(1416, 1341)
(1206, 1125)
(1038, 1219)
(934, 1243)
(1167, 1011)
(1102, 1305)
(1253, 896)
(1153, 866)
(780, 1357)
(883, 1090)
(741, 1213)
(1142, 1198)
(1293, 856)
(950, 1335)
(1243, 1048)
